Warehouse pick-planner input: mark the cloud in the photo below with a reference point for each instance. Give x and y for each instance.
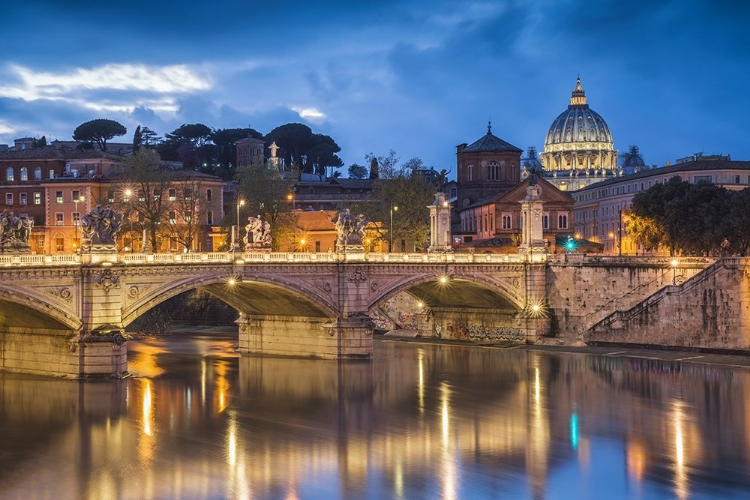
(311, 114)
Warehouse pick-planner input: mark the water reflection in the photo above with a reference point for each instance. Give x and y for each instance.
(419, 421)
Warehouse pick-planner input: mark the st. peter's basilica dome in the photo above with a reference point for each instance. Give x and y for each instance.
(579, 139)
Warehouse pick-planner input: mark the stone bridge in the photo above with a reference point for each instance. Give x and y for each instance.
(65, 315)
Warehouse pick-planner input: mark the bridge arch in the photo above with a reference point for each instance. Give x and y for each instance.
(23, 307)
(249, 295)
(473, 287)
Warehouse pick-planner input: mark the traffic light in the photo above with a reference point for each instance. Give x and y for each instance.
(570, 244)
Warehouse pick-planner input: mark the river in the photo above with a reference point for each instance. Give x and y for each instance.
(419, 421)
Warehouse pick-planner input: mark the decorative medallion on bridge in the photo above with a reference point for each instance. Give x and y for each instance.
(358, 276)
(63, 293)
(133, 291)
(107, 280)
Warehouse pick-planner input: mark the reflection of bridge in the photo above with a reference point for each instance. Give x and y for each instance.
(65, 314)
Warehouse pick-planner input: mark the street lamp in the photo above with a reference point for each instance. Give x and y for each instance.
(390, 229)
(240, 203)
(293, 199)
(674, 270)
(77, 220)
(128, 194)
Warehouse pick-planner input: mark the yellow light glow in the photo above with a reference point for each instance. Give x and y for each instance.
(443, 280)
(674, 262)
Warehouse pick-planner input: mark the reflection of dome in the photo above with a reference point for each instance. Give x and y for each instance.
(579, 139)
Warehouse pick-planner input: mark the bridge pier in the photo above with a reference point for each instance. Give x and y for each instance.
(318, 337)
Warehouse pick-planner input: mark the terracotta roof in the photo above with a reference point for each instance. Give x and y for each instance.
(316, 221)
(491, 143)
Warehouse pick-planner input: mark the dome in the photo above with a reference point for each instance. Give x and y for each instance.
(578, 124)
(579, 139)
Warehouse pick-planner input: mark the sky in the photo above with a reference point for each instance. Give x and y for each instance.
(414, 76)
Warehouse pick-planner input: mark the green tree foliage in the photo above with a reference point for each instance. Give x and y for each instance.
(226, 152)
(691, 219)
(304, 151)
(190, 144)
(150, 184)
(137, 139)
(384, 167)
(399, 187)
(266, 193)
(149, 138)
(357, 171)
(98, 131)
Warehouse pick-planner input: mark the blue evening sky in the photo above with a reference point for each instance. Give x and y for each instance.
(419, 77)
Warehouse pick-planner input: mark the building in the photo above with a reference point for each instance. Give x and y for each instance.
(600, 209)
(485, 168)
(579, 149)
(57, 186)
(495, 224)
(250, 151)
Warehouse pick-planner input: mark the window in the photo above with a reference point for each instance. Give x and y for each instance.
(493, 171)
(141, 195)
(701, 178)
(736, 179)
(8, 198)
(59, 244)
(209, 195)
(76, 196)
(76, 218)
(37, 198)
(545, 221)
(562, 221)
(172, 217)
(110, 196)
(59, 218)
(470, 174)
(317, 246)
(507, 222)
(210, 218)
(24, 174)
(23, 200)
(187, 193)
(172, 194)
(38, 173)
(51, 174)
(9, 176)
(58, 197)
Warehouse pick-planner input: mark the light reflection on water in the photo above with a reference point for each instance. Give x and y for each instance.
(418, 421)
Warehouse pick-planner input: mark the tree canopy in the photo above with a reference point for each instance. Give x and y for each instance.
(691, 219)
(99, 131)
(303, 150)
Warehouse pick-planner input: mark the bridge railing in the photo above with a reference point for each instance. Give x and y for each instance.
(25, 260)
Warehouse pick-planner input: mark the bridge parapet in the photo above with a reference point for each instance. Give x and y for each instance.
(275, 257)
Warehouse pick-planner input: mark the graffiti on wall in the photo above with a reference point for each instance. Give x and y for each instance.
(479, 332)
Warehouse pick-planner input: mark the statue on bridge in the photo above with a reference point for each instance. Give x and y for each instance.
(350, 231)
(258, 234)
(100, 228)
(15, 232)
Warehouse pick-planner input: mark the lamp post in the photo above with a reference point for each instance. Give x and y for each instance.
(240, 203)
(292, 198)
(128, 194)
(674, 270)
(77, 221)
(390, 229)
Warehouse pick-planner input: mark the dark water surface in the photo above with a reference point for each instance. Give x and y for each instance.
(419, 421)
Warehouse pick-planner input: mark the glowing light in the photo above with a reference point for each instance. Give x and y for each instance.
(674, 262)
(443, 279)
(574, 430)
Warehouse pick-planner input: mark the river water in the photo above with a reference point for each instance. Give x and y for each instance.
(419, 421)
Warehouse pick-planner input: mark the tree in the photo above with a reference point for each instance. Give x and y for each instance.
(149, 182)
(99, 131)
(137, 139)
(266, 193)
(304, 151)
(149, 138)
(410, 193)
(188, 143)
(384, 167)
(187, 208)
(357, 171)
(224, 140)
